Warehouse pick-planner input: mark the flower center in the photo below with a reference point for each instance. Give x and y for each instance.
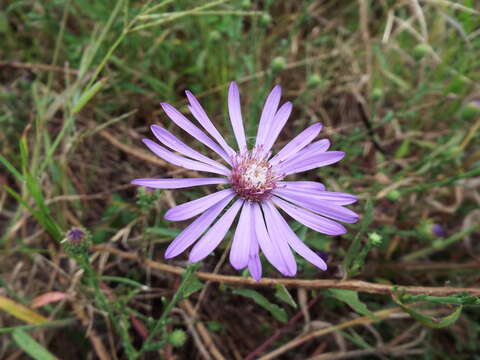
(253, 178)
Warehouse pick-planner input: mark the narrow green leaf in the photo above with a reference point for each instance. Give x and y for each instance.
(283, 294)
(10, 168)
(88, 94)
(428, 320)
(350, 297)
(277, 312)
(31, 346)
(403, 149)
(355, 246)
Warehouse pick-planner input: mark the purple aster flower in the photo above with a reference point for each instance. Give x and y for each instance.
(256, 186)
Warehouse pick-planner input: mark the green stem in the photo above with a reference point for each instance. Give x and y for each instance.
(441, 244)
(176, 298)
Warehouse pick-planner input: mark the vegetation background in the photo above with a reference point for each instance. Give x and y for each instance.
(396, 84)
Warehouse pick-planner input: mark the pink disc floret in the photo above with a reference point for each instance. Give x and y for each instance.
(253, 177)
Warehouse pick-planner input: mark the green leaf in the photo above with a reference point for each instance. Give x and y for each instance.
(31, 346)
(11, 168)
(355, 246)
(350, 297)
(403, 149)
(428, 320)
(192, 285)
(283, 294)
(456, 299)
(88, 94)
(277, 312)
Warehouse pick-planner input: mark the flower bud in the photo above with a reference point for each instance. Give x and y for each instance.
(177, 337)
(265, 19)
(421, 50)
(470, 111)
(278, 64)
(314, 80)
(375, 239)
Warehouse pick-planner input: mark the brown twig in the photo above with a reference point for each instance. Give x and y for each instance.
(279, 332)
(202, 330)
(132, 151)
(356, 285)
(30, 66)
(382, 314)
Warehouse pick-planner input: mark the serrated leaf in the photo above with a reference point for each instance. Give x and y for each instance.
(283, 294)
(428, 320)
(277, 312)
(31, 346)
(350, 297)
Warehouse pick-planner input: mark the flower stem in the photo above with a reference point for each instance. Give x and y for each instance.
(162, 321)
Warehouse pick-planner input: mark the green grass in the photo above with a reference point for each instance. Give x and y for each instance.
(80, 84)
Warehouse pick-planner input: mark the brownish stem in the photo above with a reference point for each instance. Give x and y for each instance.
(356, 285)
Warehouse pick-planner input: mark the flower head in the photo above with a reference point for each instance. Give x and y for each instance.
(256, 186)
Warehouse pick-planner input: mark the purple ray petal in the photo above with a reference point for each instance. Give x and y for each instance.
(236, 116)
(295, 242)
(240, 250)
(302, 185)
(168, 139)
(215, 235)
(323, 159)
(277, 125)
(193, 208)
(307, 154)
(307, 218)
(255, 267)
(318, 205)
(312, 150)
(266, 243)
(178, 118)
(268, 113)
(193, 231)
(254, 263)
(178, 183)
(338, 198)
(199, 113)
(181, 161)
(278, 238)
(297, 143)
